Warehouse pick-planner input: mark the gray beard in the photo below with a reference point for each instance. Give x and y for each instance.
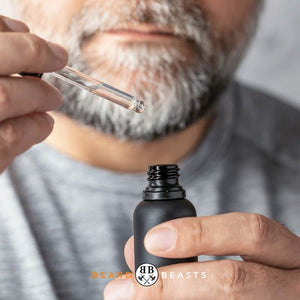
(176, 93)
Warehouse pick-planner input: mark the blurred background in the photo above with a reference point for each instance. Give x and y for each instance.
(273, 62)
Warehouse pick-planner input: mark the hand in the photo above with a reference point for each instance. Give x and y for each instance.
(270, 270)
(24, 101)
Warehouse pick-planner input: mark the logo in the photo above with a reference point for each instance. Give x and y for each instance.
(146, 274)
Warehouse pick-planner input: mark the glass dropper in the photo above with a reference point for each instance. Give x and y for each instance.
(96, 87)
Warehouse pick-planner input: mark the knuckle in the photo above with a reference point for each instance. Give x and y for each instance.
(232, 278)
(33, 46)
(259, 228)
(197, 234)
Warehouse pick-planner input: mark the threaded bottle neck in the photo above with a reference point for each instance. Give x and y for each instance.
(162, 172)
(163, 183)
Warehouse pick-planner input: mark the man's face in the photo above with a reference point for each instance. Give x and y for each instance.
(173, 54)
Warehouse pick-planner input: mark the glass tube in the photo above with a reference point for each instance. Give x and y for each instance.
(99, 88)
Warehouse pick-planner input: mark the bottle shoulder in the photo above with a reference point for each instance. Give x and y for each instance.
(179, 206)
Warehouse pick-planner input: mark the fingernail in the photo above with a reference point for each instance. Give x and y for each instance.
(119, 289)
(15, 25)
(159, 239)
(58, 51)
(49, 119)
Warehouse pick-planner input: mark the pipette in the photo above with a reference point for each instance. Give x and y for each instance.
(96, 87)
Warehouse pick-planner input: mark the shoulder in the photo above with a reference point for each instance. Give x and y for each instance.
(269, 124)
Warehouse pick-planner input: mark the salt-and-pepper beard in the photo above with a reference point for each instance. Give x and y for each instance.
(175, 92)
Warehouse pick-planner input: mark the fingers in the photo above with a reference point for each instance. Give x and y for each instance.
(252, 236)
(24, 101)
(225, 279)
(19, 134)
(8, 24)
(25, 52)
(21, 96)
(129, 253)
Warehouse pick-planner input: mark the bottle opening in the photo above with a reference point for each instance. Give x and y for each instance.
(163, 183)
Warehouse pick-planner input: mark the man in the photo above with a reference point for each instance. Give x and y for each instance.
(66, 204)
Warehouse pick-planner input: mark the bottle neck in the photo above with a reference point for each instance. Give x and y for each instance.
(163, 183)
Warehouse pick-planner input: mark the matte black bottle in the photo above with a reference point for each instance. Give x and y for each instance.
(164, 200)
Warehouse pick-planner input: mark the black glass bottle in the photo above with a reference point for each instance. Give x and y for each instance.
(163, 200)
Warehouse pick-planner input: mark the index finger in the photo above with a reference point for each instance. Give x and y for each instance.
(252, 236)
(26, 52)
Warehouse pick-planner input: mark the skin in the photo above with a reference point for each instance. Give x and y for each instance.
(24, 101)
(271, 267)
(126, 156)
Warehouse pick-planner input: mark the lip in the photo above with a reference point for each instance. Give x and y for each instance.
(141, 32)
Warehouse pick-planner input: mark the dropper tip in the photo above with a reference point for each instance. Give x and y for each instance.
(140, 107)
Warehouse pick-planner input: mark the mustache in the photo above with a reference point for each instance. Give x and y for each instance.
(187, 21)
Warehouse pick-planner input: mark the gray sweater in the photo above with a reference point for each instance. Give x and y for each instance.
(61, 220)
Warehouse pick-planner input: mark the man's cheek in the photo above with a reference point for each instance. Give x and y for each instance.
(225, 16)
